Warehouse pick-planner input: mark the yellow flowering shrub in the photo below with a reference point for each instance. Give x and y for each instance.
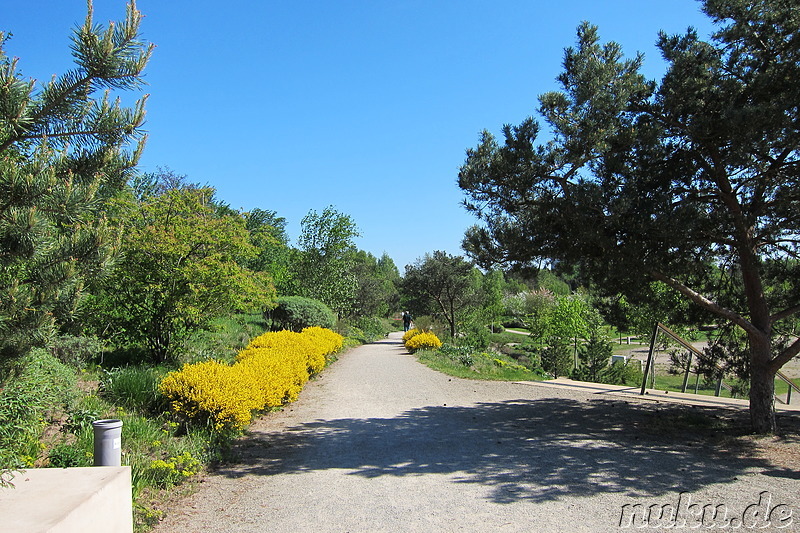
(211, 391)
(269, 372)
(326, 342)
(410, 333)
(423, 341)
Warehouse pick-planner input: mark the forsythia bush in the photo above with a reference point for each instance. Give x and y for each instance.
(423, 341)
(269, 372)
(328, 340)
(410, 333)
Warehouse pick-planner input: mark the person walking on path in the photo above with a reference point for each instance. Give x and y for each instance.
(406, 320)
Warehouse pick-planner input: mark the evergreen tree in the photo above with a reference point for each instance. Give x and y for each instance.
(594, 358)
(63, 152)
(268, 235)
(691, 182)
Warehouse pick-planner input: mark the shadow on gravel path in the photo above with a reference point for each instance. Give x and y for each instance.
(522, 450)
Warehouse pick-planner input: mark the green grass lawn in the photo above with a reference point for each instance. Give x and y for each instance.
(673, 383)
(478, 366)
(782, 388)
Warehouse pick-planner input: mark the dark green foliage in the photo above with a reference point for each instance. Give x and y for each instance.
(180, 267)
(62, 155)
(76, 351)
(377, 286)
(79, 420)
(627, 373)
(372, 328)
(297, 312)
(364, 329)
(67, 456)
(594, 357)
(40, 386)
(557, 359)
(691, 182)
(476, 333)
(268, 234)
(461, 354)
(441, 285)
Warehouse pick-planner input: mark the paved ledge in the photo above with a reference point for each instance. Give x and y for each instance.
(67, 500)
(657, 395)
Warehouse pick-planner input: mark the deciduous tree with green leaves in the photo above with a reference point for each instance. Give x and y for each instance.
(692, 182)
(64, 150)
(441, 284)
(323, 263)
(180, 266)
(377, 278)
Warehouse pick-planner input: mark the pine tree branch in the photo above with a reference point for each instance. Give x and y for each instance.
(706, 303)
(787, 355)
(786, 313)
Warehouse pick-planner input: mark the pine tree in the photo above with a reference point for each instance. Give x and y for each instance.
(64, 150)
(691, 182)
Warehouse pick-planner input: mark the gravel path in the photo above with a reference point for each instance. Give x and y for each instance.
(381, 443)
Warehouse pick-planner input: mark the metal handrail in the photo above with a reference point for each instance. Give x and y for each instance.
(701, 355)
(679, 340)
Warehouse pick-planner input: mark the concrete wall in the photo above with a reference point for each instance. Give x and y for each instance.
(66, 500)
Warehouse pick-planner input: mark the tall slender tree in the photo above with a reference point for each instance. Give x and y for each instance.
(64, 149)
(323, 263)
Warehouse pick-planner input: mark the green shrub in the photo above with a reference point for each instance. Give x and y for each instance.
(364, 329)
(296, 313)
(67, 455)
(136, 388)
(459, 354)
(76, 351)
(627, 373)
(40, 387)
(80, 419)
(557, 360)
(372, 327)
(476, 334)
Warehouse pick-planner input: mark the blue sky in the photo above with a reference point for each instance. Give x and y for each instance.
(367, 106)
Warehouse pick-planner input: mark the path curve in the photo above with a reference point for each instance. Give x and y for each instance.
(381, 443)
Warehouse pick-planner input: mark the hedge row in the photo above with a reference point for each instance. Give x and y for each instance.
(269, 372)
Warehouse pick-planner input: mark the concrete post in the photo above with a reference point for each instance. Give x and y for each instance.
(107, 442)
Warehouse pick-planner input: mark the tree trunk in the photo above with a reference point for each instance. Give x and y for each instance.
(762, 388)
